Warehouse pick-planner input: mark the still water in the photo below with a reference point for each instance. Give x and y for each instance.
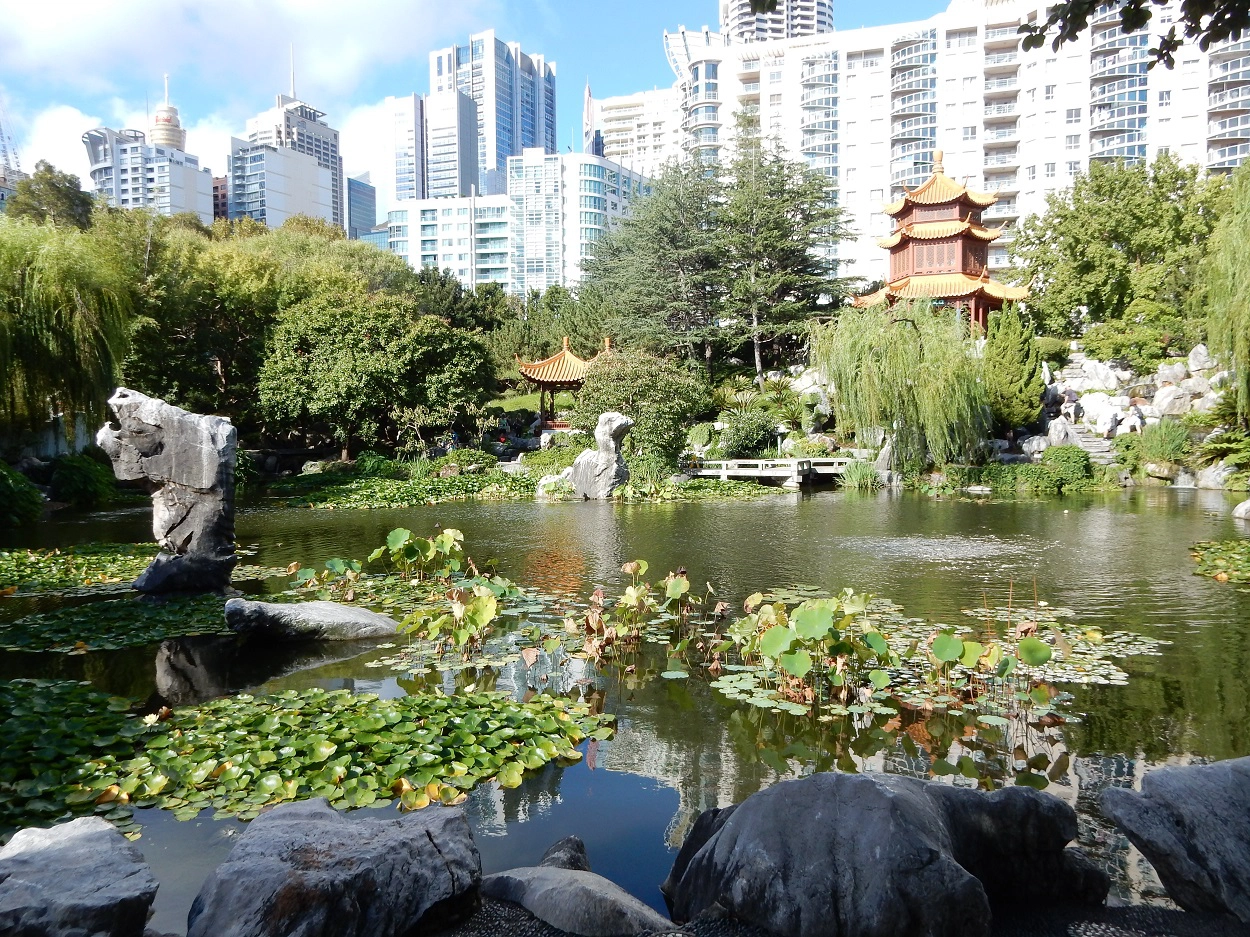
(1120, 561)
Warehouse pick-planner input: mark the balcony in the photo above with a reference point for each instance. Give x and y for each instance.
(913, 47)
(811, 123)
(1008, 158)
(1116, 39)
(1001, 111)
(926, 81)
(818, 97)
(1106, 13)
(923, 103)
(1001, 183)
(750, 89)
(1232, 46)
(1234, 99)
(1000, 135)
(1003, 209)
(749, 67)
(1120, 66)
(1001, 34)
(1107, 118)
(704, 96)
(910, 149)
(1001, 59)
(1233, 128)
(999, 85)
(919, 128)
(819, 73)
(1228, 157)
(1106, 94)
(915, 59)
(1237, 69)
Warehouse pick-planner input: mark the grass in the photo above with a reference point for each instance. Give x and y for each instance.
(564, 401)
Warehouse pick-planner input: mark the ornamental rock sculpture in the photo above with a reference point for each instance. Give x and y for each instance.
(187, 460)
(599, 471)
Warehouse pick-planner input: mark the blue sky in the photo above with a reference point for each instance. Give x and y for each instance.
(69, 65)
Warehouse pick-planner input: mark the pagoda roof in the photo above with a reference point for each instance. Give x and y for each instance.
(928, 230)
(564, 367)
(940, 189)
(941, 286)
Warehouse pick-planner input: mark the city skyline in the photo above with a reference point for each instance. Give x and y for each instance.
(52, 90)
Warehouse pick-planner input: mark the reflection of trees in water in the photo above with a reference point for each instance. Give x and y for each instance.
(492, 808)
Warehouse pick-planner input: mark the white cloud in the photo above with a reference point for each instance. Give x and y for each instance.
(55, 134)
(368, 141)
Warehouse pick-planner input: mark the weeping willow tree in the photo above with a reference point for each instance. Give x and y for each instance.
(64, 321)
(910, 371)
(1224, 288)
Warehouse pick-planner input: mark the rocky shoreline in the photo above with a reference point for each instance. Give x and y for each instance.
(829, 854)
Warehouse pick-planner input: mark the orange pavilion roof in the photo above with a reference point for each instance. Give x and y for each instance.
(564, 367)
(941, 286)
(939, 189)
(928, 230)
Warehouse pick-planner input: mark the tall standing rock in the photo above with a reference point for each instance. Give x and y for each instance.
(600, 471)
(188, 462)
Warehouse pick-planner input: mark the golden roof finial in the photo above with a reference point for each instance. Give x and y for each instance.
(566, 342)
(937, 162)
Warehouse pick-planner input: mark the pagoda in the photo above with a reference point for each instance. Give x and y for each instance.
(938, 250)
(562, 371)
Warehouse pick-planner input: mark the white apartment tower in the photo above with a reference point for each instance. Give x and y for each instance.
(298, 126)
(515, 94)
(791, 19)
(269, 184)
(408, 113)
(469, 235)
(131, 172)
(641, 131)
(869, 107)
(451, 138)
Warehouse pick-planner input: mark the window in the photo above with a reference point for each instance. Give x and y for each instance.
(1073, 115)
(876, 195)
(1049, 171)
(970, 81)
(970, 133)
(1165, 98)
(1072, 141)
(1050, 92)
(774, 77)
(1074, 166)
(774, 100)
(1031, 173)
(710, 70)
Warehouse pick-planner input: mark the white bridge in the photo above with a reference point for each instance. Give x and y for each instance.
(792, 473)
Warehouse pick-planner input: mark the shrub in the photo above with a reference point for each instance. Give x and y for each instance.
(1069, 464)
(1142, 338)
(659, 395)
(375, 465)
(1038, 477)
(861, 476)
(245, 471)
(464, 458)
(1128, 452)
(649, 468)
(81, 481)
(746, 433)
(701, 434)
(1055, 350)
(20, 501)
(1165, 441)
(1013, 371)
(809, 449)
(553, 460)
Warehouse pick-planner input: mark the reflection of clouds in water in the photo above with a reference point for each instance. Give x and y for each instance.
(952, 549)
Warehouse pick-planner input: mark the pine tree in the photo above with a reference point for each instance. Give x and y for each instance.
(1013, 370)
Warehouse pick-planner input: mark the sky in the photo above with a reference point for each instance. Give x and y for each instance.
(67, 66)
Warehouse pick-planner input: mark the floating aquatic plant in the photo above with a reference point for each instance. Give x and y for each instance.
(115, 623)
(1223, 560)
(240, 754)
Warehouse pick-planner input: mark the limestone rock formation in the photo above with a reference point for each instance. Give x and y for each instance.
(1200, 359)
(877, 855)
(1193, 823)
(600, 471)
(576, 902)
(80, 877)
(303, 868)
(318, 621)
(568, 853)
(188, 462)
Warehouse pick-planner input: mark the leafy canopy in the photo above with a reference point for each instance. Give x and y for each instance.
(1013, 370)
(50, 196)
(1224, 286)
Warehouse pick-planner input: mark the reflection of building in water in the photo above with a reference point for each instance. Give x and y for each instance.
(493, 808)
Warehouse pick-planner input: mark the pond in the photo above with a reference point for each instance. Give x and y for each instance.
(1120, 561)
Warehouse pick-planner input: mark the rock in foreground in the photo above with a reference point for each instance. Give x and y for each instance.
(574, 901)
(1193, 824)
(600, 471)
(312, 621)
(81, 877)
(305, 869)
(879, 855)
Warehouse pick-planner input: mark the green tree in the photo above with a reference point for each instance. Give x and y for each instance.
(314, 227)
(65, 304)
(50, 195)
(1120, 233)
(1224, 285)
(1013, 370)
(661, 267)
(660, 395)
(777, 226)
(536, 328)
(347, 362)
(907, 371)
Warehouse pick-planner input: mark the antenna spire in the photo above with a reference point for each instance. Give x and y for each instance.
(167, 89)
(292, 69)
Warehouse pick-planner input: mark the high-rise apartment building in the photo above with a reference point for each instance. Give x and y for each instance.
(298, 126)
(869, 107)
(562, 205)
(221, 197)
(130, 172)
(451, 165)
(641, 131)
(408, 113)
(9, 178)
(469, 235)
(515, 94)
(362, 206)
(791, 19)
(271, 183)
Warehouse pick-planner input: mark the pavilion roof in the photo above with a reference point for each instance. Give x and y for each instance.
(940, 189)
(928, 230)
(562, 368)
(941, 286)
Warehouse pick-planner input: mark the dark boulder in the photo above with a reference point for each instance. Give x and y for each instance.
(568, 853)
(575, 902)
(303, 621)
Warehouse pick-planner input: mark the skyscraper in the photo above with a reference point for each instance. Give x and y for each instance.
(295, 125)
(409, 128)
(451, 166)
(362, 206)
(515, 94)
(133, 173)
(791, 19)
(270, 183)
